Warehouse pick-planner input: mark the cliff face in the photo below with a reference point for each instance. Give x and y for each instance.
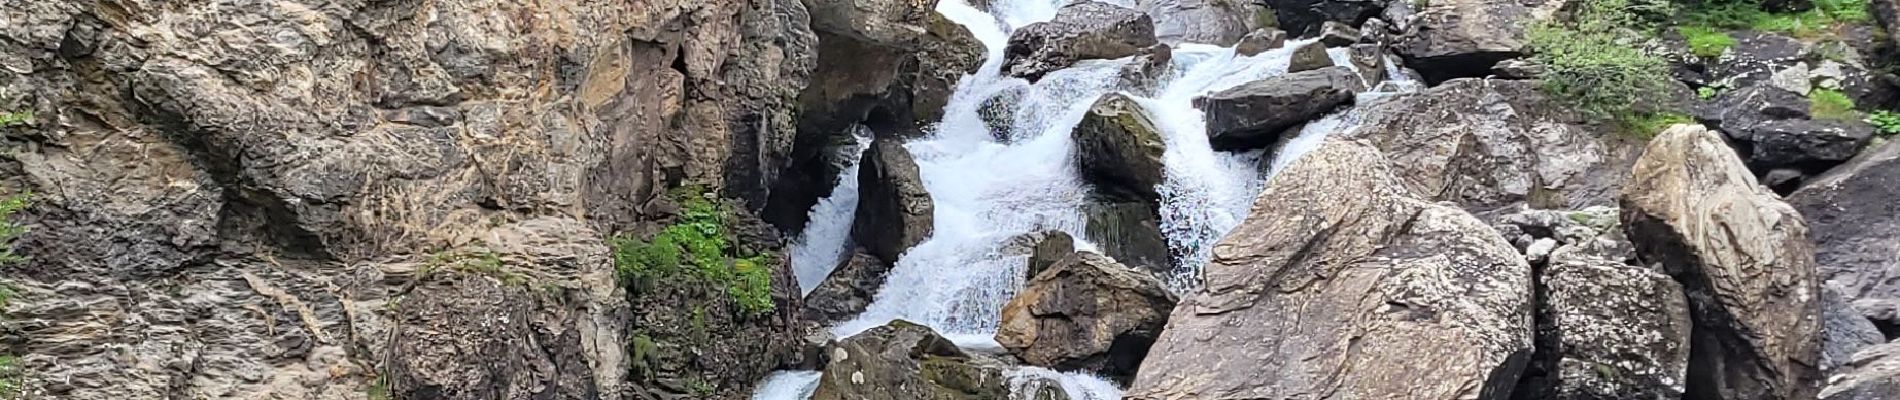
(322, 199)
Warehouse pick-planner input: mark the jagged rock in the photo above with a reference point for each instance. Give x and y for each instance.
(1259, 41)
(894, 23)
(1873, 374)
(1533, 149)
(1255, 114)
(1591, 232)
(1129, 231)
(1142, 75)
(1304, 18)
(1335, 34)
(848, 290)
(1216, 22)
(1853, 218)
(906, 361)
(1465, 38)
(1518, 68)
(894, 212)
(1086, 312)
(1118, 149)
(1738, 112)
(1623, 331)
(1369, 60)
(1310, 57)
(1339, 283)
(1052, 248)
(1080, 31)
(1743, 258)
(1807, 142)
(1757, 57)
(1843, 330)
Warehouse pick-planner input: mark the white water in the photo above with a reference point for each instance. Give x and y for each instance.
(987, 192)
(823, 244)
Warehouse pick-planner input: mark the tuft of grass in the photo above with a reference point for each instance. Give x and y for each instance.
(1647, 125)
(1706, 42)
(1831, 104)
(1591, 64)
(10, 231)
(1886, 123)
(1707, 92)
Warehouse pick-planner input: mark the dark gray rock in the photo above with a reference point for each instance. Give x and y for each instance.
(1255, 114)
(1130, 232)
(1080, 31)
(1465, 38)
(1872, 374)
(1088, 313)
(1259, 41)
(1843, 330)
(1807, 142)
(1736, 113)
(851, 287)
(1305, 18)
(1622, 331)
(906, 361)
(1118, 149)
(1216, 22)
(1335, 34)
(1369, 60)
(894, 211)
(1853, 217)
(1053, 247)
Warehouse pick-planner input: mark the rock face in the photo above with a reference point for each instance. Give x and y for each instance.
(1216, 22)
(1465, 38)
(1744, 260)
(1523, 149)
(1051, 249)
(1336, 285)
(1623, 331)
(848, 290)
(1086, 312)
(1257, 113)
(1844, 331)
(1129, 231)
(1306, 17)
(1310, 57)
(237, 196)
(1874, 374)
(1081, 31)
(1259, 41)
(894, 211)
(1118, 148)
(1853, 218)
(906, 361)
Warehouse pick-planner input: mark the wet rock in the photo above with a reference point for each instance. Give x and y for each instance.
(1334, 34)
(1255, 114)
(1128, 231)
(1338, 283)
(906, 361)
(1216, 22)
(1259, 41)
(1465, 38)
(1304, 18)
(1088, 313)
(1534, 150)
(1118, 149)
(1053, 248)
(1743, 258)
(1080, 31)
(1623, 330)
(1807, 142)
(848, 290)
(894, 212)
(1853, 216)
(1369, 60)
(1310, 57)
(1142, 75)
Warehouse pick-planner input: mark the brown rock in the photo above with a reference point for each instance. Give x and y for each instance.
(1086, 313)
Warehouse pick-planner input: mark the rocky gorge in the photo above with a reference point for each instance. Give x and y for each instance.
(949, 199)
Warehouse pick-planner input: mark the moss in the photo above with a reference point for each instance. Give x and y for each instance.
(1831, 104)
(10, 118)
(10, 231)
(1266, 18)
(696, 247)
(12, 377)
(1645, 126)
(473, 261)
(645, 354)
(701, 387)
(1706, 42)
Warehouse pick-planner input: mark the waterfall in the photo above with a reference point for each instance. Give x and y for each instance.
(823, 244)
(991, 187)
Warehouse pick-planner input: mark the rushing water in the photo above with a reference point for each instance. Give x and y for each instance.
(819, 249)
(991, 187)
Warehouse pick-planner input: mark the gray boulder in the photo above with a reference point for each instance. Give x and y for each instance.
(1873, 374)
(1216, 22)
(851, 287)
(1305, 18)
(1053, 247)
(1807, 142)
(1119, 149)
(1257, 113)
(906, 361)
(1339, 283)
(1464, 38)
(894, 211)
(1129, 231)
(1742, 256)
(1310, 57)
(1080, 31)
(1843, 330)
(1853, 217)
(1087, 312)
(1259, 41)
(1622, 331)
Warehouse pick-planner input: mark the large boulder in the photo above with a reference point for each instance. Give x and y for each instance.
(1129, 231)
(1080, 31)
(894, 210)
(1256, 114)
(1807, 142)
(1854, 219)
(1464, 38)
(1216, 22)
(1309, 57)
(1742, 256)
(1524, 148)
(1119, 149)
(851, 287)
(1307, 17)
(906, 361)
(1843, 330)
(1338, 285)
(1089, 313)
(1873, 374)
(1622, 332)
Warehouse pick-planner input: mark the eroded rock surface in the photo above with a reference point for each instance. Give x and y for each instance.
(1086, 312)
(1081, 30)
(1853, 222)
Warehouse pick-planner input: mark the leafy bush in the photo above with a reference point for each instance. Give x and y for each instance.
(1591, 65)
(696, 248)
(1831, 104)
(1886, 123)
(1706, 42)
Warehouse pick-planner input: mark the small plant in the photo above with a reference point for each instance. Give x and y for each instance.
(9, 230)
(12, 377)
(379, 388)
(1706, 42)
(696, 248)
(10, 118)
(1886, 123)
(1707, 93)
(701, 387)
(1590, 63)
(1831, 104)
(1648, 125)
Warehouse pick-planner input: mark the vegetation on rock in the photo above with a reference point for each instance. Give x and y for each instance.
(1706, 42)
(11, 375)
(1886, 123)
(696, 248)
(1593, 64)
(1831, 104)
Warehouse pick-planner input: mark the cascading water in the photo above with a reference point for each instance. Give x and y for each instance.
(817, 251)
(990, 187)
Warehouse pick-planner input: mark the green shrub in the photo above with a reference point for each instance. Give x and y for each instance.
(696, 248)
(1886, 123)
(1742, 14)
(1831, 104)
(1591, 65)
(1706, 42)
(1707, 92)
